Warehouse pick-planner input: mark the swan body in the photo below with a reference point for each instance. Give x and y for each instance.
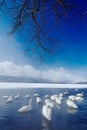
(5, 97)
(48, 102)
(79, 99)
(47, 96)
(26, 108)
(71, 104)
(61, 94)
(58, 100)
(36, 95)
(16, 97)
(72, 97)
(60, 97)
(38, 100)
(80, 95)
(53, 97)
(66, 92)
(10, 99)
(27, 96)
(75, 98)
(47, 112)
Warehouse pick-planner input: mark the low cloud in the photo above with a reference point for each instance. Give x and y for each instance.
(60, 74)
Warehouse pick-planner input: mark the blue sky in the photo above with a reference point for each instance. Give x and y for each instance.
(10, 48)
(74, 45)
(71, 53)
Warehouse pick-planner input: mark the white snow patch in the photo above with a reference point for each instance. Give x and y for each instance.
(38, 85)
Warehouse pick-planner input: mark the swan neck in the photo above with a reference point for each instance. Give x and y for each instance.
(30, 102)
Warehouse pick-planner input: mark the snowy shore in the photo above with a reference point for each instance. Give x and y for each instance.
(4, 85)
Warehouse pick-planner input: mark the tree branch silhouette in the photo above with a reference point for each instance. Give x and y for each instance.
(32, 10)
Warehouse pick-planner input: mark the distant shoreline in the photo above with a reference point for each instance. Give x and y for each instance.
(83, 83)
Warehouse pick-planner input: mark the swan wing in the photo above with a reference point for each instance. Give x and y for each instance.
(24, 109)
(71, 104)
(49, 114)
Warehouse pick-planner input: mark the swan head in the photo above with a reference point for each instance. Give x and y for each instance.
(49, 106)
(36, 95)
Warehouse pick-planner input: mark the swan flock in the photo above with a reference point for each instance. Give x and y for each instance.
(48, 102)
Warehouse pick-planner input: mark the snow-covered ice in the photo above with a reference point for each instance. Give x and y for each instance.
(4, 85)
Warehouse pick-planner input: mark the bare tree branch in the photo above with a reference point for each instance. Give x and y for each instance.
(34, 10)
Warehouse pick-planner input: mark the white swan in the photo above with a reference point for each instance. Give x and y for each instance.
(76, 98)
(16, 96)
(53, 97)
(79, 98)
(36, 95)
(47, 112)
(61, 94)
(72, 97)
(66, 92)
(10, 99)
(61, 97)
(26, 108)
(5, 97)
(38, 100)
(80, 94)
(71, 104)
(58, 100)
(46, 96)
(49, 102)
(27, 96)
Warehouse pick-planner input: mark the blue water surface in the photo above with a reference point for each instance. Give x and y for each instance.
(63, 118)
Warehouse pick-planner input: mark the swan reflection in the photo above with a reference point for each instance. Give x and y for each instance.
(58, 106)
(46, 124)
(71, 110)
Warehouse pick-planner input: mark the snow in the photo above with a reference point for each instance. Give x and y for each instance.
(4, 85)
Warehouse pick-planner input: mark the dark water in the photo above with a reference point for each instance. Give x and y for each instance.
(62, 117)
